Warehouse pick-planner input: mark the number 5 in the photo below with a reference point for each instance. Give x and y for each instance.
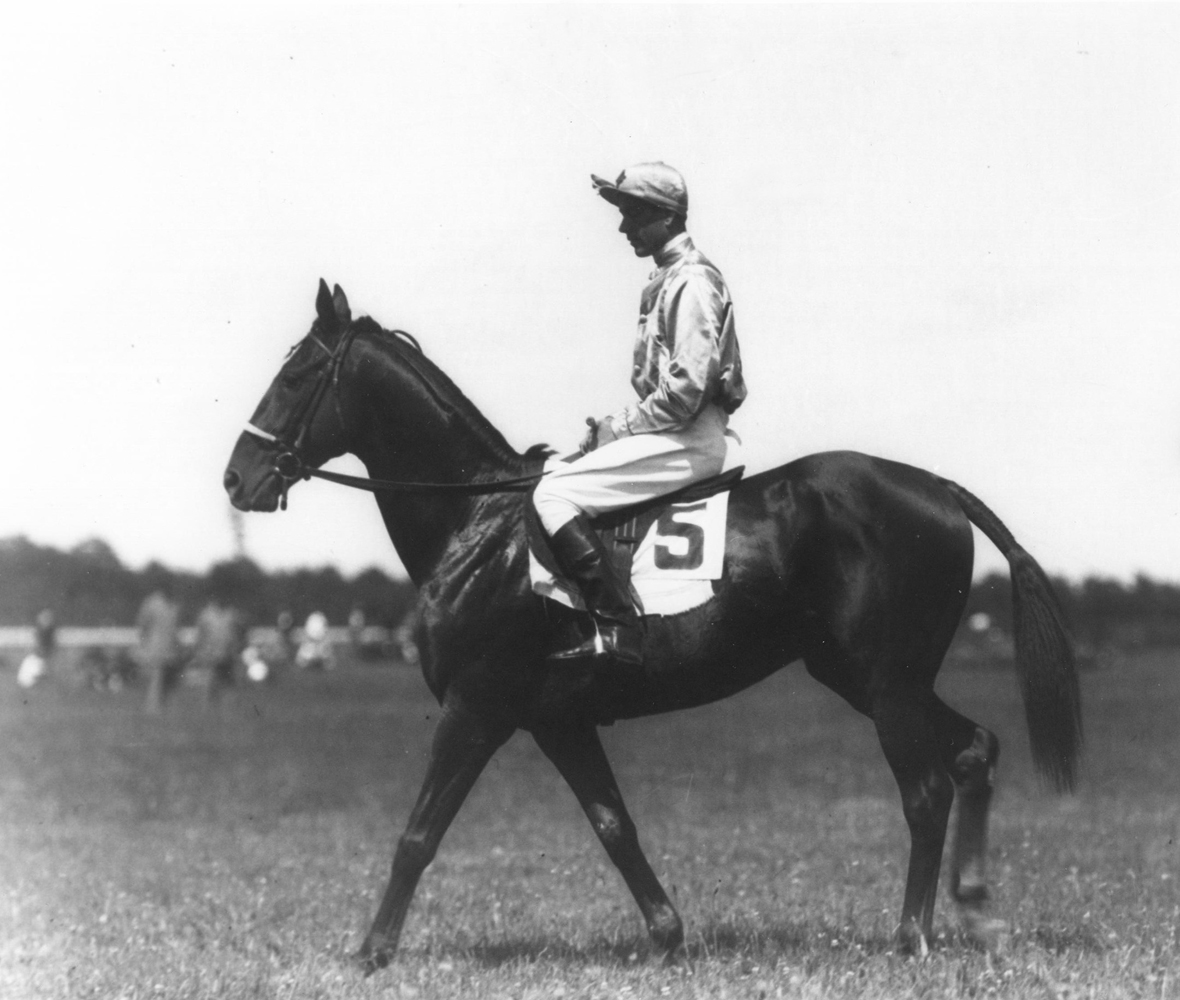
(693, 553)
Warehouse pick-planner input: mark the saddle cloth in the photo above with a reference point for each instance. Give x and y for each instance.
(671, 548)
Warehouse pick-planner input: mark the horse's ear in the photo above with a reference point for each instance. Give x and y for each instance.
(340, 304)
(323, 303)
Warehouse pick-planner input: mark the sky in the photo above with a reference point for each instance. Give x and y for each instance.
(952, 235)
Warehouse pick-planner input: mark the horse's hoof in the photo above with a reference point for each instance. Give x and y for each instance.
(368, 960)
(667, 931)
(989, 933)
(911, 941)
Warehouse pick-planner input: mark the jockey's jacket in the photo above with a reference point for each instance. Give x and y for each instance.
(686, 351)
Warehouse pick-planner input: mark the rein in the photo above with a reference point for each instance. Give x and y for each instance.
(518, 485)
(290, 466)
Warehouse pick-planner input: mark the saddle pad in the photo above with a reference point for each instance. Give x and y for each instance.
(680, 555)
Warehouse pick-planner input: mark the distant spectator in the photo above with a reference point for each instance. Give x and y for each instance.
(404, 638)
(158, 653)
(31, 670)
(221, 637)
(276, 651)
(285, 626)
(315, 652)
(356, 633)
(38, 663)
(45, 634)
(356, 626)
(257, 669)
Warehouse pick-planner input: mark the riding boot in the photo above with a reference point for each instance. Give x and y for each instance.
(584, 560)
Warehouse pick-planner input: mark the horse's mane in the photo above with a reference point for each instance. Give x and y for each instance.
(449, 396)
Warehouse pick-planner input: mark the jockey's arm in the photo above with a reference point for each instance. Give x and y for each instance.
(694, 320)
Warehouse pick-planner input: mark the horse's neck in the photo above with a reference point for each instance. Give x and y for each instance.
(426, 442)
(440, 542)
(421, 528)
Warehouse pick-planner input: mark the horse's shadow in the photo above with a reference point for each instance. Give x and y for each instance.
(785, 942)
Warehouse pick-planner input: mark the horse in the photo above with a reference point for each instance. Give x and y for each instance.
(857, 565)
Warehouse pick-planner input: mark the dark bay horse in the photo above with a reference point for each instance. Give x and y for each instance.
(856, 565)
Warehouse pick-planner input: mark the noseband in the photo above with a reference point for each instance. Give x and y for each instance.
(290, 465)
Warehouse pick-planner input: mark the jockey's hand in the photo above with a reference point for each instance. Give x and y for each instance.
(599, 433)
(606, 432)
(590, 441)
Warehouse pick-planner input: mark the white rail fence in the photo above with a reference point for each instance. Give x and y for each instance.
(118, 637)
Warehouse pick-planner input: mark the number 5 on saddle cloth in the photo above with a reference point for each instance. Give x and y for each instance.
(670, 549)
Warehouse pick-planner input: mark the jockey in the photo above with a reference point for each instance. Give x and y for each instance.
(688, 375)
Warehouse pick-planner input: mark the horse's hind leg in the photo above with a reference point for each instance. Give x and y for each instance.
(909, 736)
(970, 753)
(907, 727)
(576, 751)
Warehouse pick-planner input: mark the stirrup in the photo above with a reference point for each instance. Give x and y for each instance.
(619, 643)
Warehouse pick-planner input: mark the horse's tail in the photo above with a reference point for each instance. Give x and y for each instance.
(1044, 652)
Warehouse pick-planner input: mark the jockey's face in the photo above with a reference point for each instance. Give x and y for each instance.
(647, 227)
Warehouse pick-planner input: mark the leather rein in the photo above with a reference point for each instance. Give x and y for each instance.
(290, 466)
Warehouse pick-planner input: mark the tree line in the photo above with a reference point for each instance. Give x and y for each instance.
(89, 585)
(1100, 612)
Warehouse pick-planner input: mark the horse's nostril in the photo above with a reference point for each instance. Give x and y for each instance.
(232, 480)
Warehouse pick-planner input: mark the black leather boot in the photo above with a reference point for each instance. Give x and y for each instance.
(584, 560)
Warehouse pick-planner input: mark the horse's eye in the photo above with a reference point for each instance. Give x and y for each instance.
(289, 377)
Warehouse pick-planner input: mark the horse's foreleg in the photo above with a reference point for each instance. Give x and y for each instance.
(463, 744)
(577, 753)
(904, 727)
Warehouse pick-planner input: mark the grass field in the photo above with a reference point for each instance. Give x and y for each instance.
(240, 852)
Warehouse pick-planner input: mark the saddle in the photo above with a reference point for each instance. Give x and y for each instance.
(622, 530)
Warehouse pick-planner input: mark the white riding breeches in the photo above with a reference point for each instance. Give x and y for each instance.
(632, 469)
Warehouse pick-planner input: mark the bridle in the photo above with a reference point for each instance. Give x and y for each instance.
(290, 465)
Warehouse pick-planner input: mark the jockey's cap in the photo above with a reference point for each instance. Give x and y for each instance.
(656, 183)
